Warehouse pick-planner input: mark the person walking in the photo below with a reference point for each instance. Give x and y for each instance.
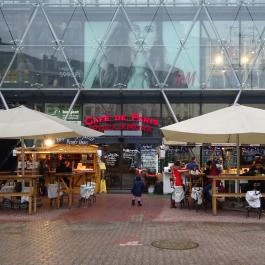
(137, 190)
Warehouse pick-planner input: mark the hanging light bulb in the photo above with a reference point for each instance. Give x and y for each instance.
(48, 142)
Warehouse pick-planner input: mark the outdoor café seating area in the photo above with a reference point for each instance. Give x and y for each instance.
(22, 192)
(228, 190)
(46, 175)
(79, 184)
(26, 197)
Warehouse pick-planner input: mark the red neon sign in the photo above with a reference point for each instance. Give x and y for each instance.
(133, 122)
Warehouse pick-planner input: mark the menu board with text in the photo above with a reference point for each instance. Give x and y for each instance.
(149, 159)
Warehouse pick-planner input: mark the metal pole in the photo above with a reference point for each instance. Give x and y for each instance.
(237, 162)
(3, 100)
(169, 106)
(22, 156)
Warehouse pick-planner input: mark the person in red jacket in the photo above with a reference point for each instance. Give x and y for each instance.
(178, 185)
(176, 175)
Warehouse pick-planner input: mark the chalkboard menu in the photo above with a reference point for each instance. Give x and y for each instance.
(149, 159)
(132, 155)
(112, 159)
(228, 155)
(248, 153)
(177, 153)
(210, 153)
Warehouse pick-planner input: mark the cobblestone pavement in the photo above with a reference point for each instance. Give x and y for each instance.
(113, 232)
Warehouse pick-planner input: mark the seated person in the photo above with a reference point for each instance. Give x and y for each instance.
(256, 168)
(195, 171)
(64, 167)
(212, 170)
(252, 170)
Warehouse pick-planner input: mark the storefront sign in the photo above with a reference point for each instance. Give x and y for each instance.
(133, 122)
(76, 141)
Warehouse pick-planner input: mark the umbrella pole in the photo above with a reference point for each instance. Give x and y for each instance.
(237, 163)
(22, 156)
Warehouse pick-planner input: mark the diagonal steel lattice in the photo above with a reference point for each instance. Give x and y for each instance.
(200, 12)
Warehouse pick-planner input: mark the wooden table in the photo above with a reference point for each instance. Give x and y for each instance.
(74, 179)
(230, 177)
(89, 175)
(31, 193)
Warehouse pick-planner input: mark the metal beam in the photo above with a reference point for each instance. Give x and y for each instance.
(169, 105)
(18, 46)
(59, 45)
(183, 44)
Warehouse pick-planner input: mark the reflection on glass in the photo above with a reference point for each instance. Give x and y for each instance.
(134, 58)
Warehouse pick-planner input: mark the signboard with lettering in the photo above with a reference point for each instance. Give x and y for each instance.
(133, 156)
(111, 159)
(126, 123)
(76, 141)
(149, 158)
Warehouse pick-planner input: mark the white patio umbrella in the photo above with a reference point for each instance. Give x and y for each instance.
(27, 123)
(236, 124)
(24, 123)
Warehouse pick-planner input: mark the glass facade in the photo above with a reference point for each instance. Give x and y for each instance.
(129, 67)
(168, 59)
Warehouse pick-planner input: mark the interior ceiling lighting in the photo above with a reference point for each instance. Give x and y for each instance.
(218, 59)
(244, 60)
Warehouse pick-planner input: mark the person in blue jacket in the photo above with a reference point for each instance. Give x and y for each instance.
(192, 165)
(137, 190)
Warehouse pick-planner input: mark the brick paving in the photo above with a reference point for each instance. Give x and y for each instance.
(113, 232)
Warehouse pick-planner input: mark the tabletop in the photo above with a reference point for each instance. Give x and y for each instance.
(237, 177)
(19, 177)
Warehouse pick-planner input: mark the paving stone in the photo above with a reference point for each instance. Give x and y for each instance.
(113, 232)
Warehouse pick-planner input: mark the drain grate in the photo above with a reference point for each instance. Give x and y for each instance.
(175, 244)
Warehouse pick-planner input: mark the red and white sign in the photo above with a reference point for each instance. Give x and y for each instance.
(133, 122)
